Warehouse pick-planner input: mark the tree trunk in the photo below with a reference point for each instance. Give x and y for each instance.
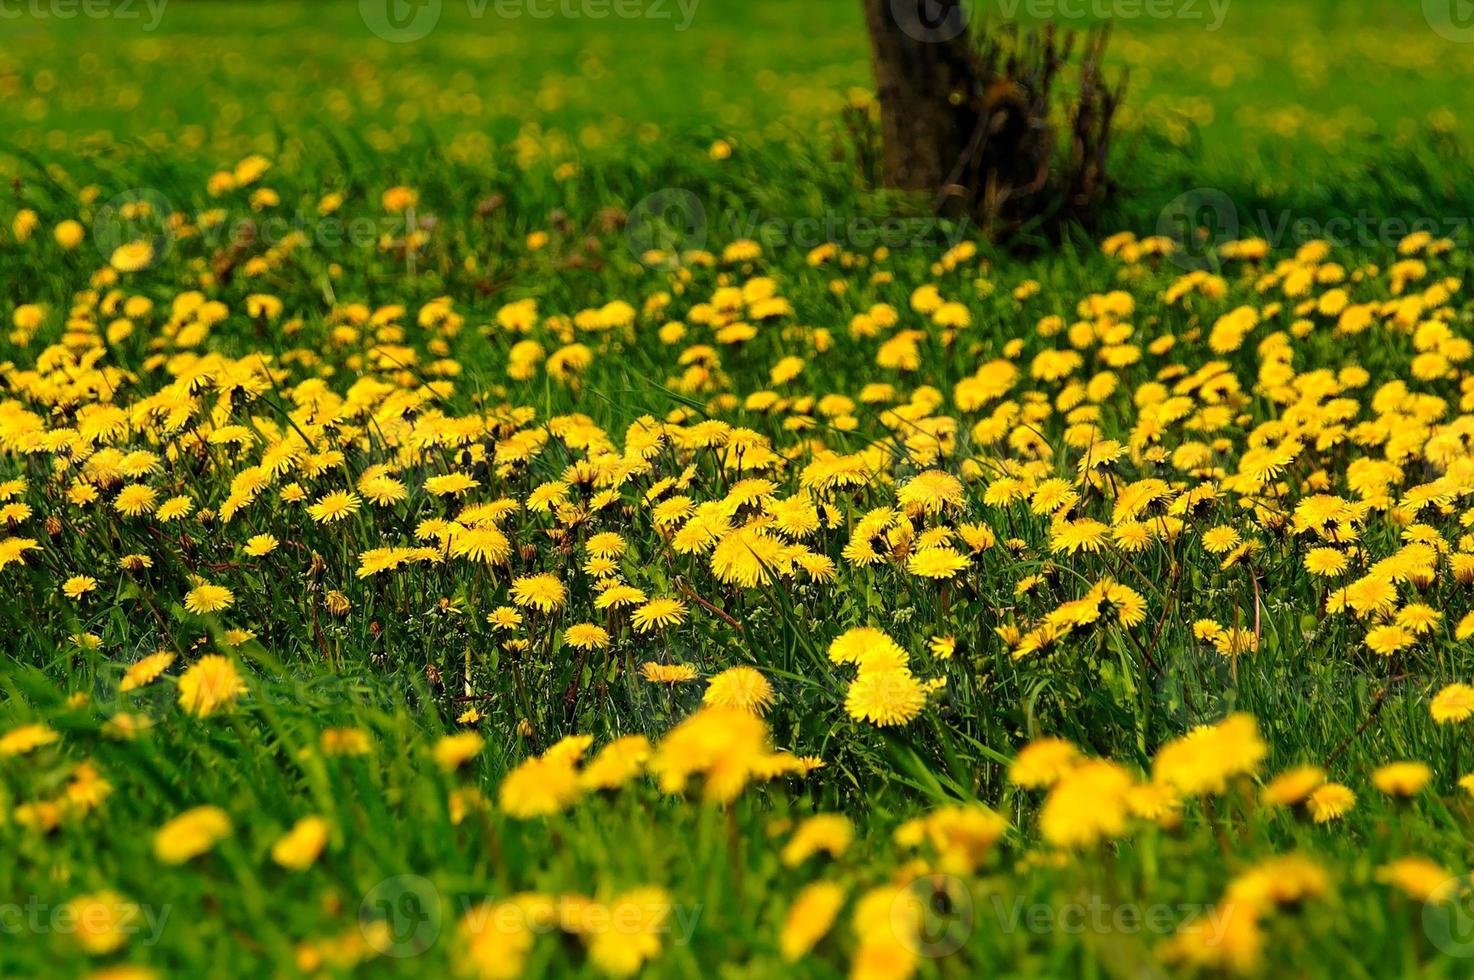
(968, 120)
(926, 77)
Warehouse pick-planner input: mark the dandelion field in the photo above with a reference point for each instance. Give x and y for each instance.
(476, 506)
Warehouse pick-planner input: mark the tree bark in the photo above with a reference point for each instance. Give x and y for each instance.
(926, 77)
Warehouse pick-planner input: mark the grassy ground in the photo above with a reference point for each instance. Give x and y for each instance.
(1282, 105)
(280, 295)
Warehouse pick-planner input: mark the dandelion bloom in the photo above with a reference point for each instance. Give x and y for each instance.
(728, 745)
(543, 592)
(191, 834)
(963, 835)
(1041, 763)
(299, 847)
(450, 484)
(809, 918)
(132, 257)
(888, 922)
(936, 563)
(618, 595)
(173, 509)
(344, 742)
(605, 544)
(1326, 562)
(135, 499)
(885, 697)
(146, 671)
(208, 598)
(1293, 786)
(640, 914)
(1402, 778)
(1388, 639)
(452, 751)
(586, 636)
(400, 198)
(1421, 878)
(486, 544)
(103, 921)
(616, 763)
(1330, 802)
(209, 684)
(1203, 761)
(1454, 703)
(830, 833)
(260, 545)
(930, 492)
(667, 673)
(26, 738)
(504, 618)
(1071, 537)
(124, 726)
(743, 688)
(1086, 805)
(541, 786)
(867, 647)
(658, 613)
(78, 585)
(495, 937)
(335, 506)
(1218, 540)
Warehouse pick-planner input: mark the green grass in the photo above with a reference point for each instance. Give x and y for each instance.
(1283, 106)
(1312, 110)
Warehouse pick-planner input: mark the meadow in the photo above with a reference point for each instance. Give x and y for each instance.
(522, 501)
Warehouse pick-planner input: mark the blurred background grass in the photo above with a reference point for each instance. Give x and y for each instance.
(1322, 107)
